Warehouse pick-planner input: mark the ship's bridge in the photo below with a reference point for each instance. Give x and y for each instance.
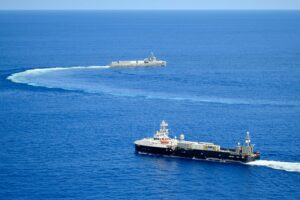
(163, 133)
(160, 138)
(151, 58)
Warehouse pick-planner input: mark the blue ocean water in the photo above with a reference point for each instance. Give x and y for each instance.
(68, 121)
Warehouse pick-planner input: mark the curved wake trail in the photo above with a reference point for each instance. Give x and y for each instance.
(286, 166)
(22, 77)
(39, 77)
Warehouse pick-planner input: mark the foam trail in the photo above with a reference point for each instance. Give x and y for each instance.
(20, 76)
(286, 166)
(46, 77)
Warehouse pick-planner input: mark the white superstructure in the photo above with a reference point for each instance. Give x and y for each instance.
(161, 139)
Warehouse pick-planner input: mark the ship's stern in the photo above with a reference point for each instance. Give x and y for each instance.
(255, 156)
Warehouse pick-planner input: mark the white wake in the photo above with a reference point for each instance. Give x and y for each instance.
(22, 77)
(52, 78)
(286, 166)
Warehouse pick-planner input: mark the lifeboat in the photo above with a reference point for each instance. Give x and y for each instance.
(164, 141)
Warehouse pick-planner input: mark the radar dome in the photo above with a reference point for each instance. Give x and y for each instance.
(181, 137)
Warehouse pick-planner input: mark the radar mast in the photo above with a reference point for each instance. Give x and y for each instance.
(163, 132)
(247, 138)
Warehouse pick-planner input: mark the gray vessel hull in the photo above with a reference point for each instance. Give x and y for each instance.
(138, 63)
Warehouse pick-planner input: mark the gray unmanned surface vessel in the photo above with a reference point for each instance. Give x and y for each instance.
(151, 61)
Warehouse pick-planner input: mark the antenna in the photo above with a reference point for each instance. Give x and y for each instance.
(247, 139)
(164, 127)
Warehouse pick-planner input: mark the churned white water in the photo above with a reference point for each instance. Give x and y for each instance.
(286, 166)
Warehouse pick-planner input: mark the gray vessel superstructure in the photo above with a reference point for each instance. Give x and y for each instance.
(151, 61)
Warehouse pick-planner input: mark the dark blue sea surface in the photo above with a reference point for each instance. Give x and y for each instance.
(68, 121)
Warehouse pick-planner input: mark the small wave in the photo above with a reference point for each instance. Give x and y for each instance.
(286, 166)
